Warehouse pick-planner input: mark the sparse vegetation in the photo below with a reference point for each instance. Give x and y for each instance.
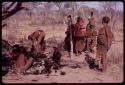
(20, 25)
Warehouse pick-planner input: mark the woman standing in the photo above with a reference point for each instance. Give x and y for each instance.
(79, 36)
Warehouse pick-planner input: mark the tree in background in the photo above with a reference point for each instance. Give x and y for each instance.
(71, 6)
(111, 11)
(59, 5)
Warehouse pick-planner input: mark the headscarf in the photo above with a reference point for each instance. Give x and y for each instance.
(80, 20)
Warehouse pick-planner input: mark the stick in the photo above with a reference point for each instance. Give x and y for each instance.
(71, 43)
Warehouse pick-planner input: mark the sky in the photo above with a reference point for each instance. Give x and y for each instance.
(93, 4)
(97, 5)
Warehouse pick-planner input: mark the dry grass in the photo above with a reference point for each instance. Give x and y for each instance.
(19, 27)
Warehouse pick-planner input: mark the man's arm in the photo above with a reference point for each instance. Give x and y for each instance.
(41, 36)
(107, 31)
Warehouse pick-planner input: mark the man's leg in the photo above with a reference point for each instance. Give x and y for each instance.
(88, 44)
(104, 63)
(98, 59)
(27, 65)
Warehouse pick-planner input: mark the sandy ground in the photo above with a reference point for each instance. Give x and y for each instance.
(17, 30)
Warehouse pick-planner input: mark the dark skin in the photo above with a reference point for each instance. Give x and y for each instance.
(104, 60)
(106, 29)
(56, 56)
(37, 39)
(21, 63)
(78, 26)
(67, 40)
(48, 65)
(91, 34)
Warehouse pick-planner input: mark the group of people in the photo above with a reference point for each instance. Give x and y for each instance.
(22, 59)
(83, 38)
(86, 38)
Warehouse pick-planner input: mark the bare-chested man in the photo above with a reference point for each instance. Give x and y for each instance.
(21, 60)
(104, 41)
(37, 39)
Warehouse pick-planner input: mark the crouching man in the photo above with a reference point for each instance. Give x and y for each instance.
(38, 43)
(21, 63)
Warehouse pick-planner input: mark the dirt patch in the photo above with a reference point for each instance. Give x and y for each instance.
(18, 30)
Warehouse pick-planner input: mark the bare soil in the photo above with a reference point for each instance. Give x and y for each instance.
(20, 26)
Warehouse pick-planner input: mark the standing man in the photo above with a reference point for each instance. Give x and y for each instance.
(104, 41)
(91, 34)
(69, 35)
